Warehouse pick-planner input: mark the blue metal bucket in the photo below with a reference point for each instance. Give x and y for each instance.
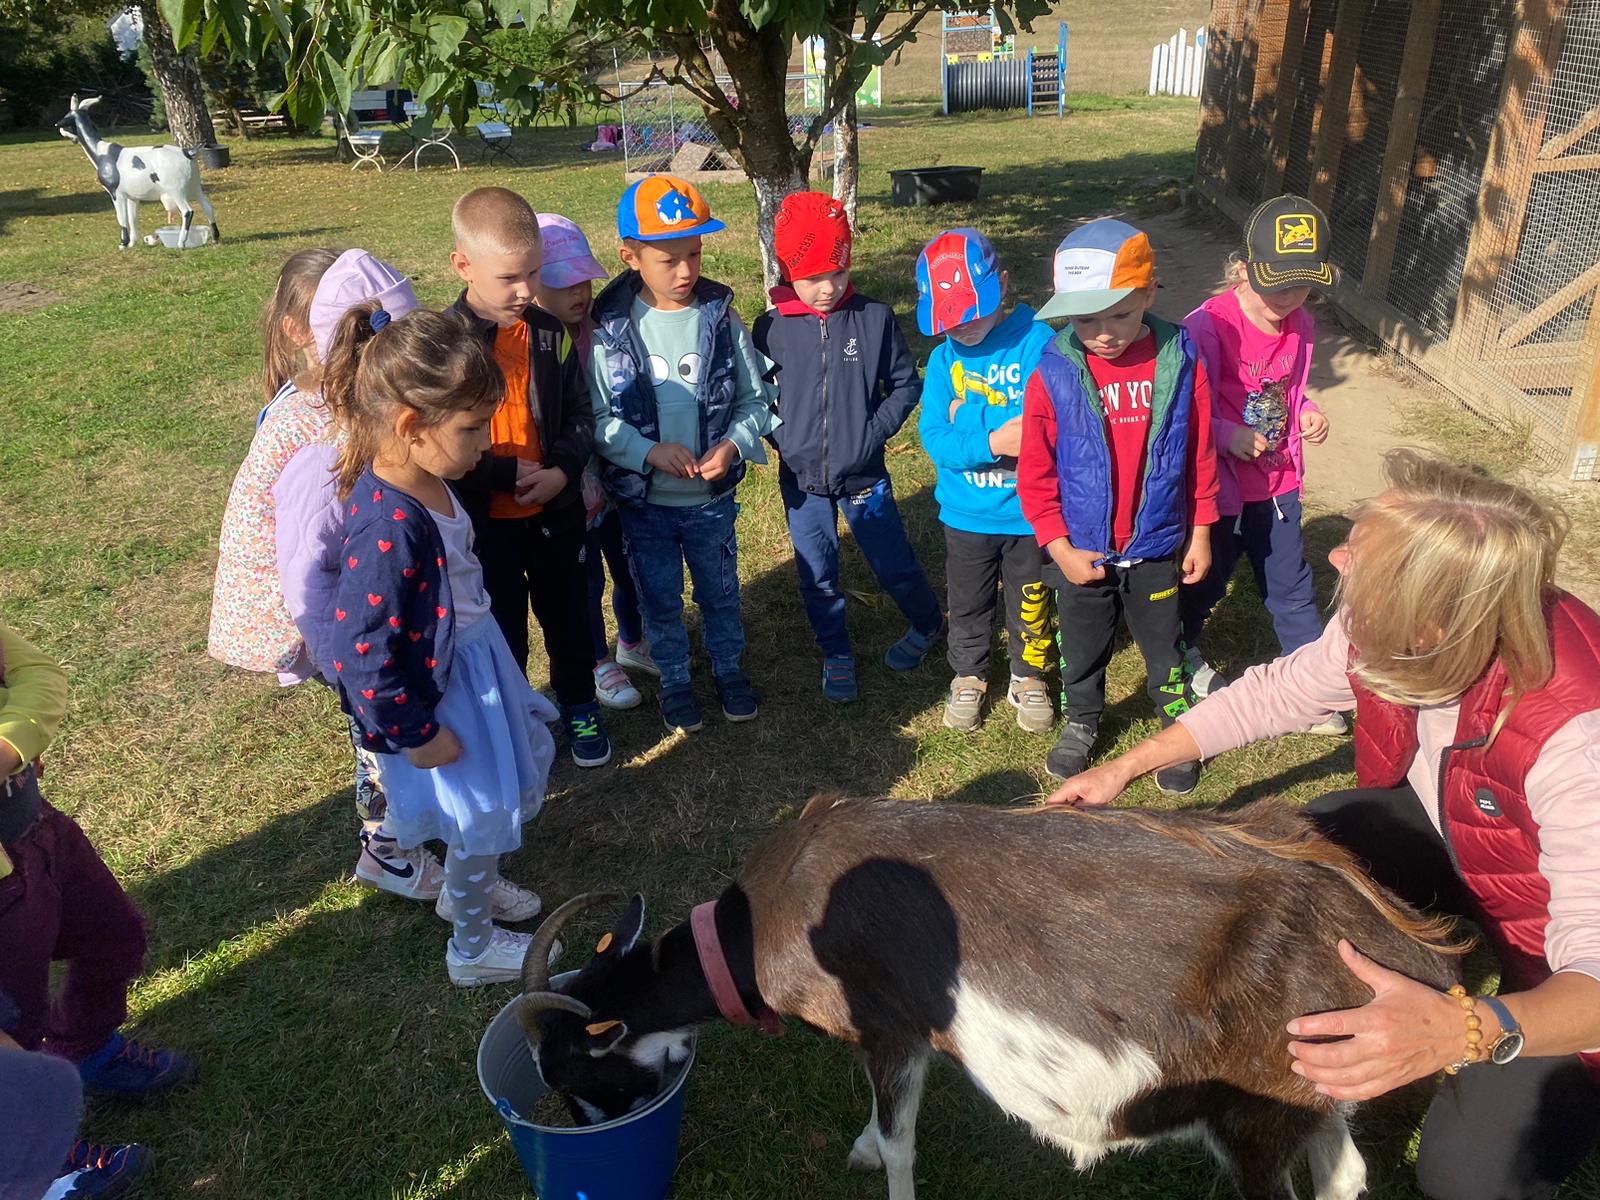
(631, 1158)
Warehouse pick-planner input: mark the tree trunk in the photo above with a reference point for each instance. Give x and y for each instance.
(179, 78)
(846, 159)
(770, 191)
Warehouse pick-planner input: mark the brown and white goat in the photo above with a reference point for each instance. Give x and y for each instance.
(1109, 978)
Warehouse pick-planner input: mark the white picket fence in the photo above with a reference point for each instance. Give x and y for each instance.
(1178, 66)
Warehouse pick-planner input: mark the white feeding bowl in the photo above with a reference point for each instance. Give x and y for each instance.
(170, 236)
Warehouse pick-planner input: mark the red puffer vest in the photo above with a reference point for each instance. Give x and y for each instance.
(1483, 808)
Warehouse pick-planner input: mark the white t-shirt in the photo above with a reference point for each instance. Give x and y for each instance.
(461, 564)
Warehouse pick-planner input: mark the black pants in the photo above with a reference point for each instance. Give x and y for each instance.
(539, 561)
(1146, 596)
(976, 565)
(1492, 1133)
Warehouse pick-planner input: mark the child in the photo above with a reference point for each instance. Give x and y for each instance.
(430, 681)
(58, 901)
(971, 427)
(565, 290)
(840, 404)
(281, 498)
(679, 409)
(526, 496)
(1256, 339)
(1118, 479)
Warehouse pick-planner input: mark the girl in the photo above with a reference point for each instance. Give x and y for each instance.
(1256, 339)
(258, 601)
(431, 681)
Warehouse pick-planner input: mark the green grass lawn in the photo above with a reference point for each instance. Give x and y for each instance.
(336, 1061)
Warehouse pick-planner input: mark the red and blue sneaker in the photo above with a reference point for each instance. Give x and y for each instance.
(101, 1172)
(123, 1067)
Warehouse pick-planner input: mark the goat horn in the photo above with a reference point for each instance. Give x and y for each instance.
(536, 965)
(534, 1003)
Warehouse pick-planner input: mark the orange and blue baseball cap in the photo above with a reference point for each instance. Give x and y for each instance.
(659, 208)
(958, 281)
(1098, 264)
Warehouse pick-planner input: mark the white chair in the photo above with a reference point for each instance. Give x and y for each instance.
(424, 134)
(366, 145)
(496, 137)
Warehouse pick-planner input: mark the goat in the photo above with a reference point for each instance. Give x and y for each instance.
(130, 174)
(1110, 978)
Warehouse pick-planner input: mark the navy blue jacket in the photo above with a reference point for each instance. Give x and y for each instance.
(846, 383)
(394, 618)
(633, 397)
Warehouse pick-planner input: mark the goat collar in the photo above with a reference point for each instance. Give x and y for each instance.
(714, 966)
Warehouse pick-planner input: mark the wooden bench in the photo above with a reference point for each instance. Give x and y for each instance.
(248, 120)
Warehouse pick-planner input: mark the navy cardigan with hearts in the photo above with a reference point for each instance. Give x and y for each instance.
(393, 630)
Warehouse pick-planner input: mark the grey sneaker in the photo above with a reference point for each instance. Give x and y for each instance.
(1070, 755)
(1334, 725)
(1031, 699)
(964, 709)
(1203, 677)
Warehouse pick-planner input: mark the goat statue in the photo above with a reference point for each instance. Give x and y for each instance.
(130, 174)
(1110, 978)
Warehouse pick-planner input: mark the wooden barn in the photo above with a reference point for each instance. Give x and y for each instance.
(1455, 145)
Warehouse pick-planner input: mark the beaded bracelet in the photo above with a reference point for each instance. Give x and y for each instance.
(1474, 1051)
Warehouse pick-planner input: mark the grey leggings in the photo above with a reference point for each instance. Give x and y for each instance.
(471, 880)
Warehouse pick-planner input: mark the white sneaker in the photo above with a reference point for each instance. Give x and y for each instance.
(500, 962)
(638, 657)
(1203, 677)
(613, 688)
(1334, 725)
(511, 903)
(414, 874)
(1031, 699)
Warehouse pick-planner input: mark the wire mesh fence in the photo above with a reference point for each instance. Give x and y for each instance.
(664, 127)
(1456, 149)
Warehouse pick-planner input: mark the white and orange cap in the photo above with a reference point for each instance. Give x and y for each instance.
(1098, 264)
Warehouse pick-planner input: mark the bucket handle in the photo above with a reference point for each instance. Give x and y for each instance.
(503, 1107)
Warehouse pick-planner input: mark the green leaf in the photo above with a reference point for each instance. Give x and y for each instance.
(561, 12)
(430, 87)
(446, 33)
(306, 102)
(183, 18)
(385, 64)
(238, 33)
(337, 80)
(507, 12)
(209, 34)
(280, 19)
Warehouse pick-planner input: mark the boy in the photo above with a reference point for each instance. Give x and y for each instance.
(679, 409)
(526, 494)
(971, 427)
(839, 405)
(1118, 478)
(58, 901)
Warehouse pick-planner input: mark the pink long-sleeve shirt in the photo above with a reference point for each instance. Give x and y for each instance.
(1563, 786)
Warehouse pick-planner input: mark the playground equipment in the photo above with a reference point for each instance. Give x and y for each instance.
(1176, 67)
(981, 70)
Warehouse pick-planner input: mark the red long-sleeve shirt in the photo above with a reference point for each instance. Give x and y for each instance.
(1125, 384)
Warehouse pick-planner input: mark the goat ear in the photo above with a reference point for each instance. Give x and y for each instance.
(625, 933)
(89, 103)
(604, 1036)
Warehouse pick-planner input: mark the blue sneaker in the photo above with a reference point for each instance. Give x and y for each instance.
(123, 1067)
(839, 679)
(679, 711)
(586, 736)
(737, 696)
(907, 654)
(101, 1171)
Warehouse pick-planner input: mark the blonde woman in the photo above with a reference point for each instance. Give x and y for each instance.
(1476, 687)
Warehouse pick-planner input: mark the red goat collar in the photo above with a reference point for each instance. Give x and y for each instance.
(714, 965)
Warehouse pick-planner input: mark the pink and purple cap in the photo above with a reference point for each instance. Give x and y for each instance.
(356, 277)
(568, 260)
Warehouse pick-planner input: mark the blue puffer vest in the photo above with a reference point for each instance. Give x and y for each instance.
(633, 397)
(1083, 450)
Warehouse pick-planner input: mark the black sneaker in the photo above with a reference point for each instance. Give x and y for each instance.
(586, 736)
(101, 1172)
(1070, 754)
(1179, 780)
(737, 696)
(679, 710)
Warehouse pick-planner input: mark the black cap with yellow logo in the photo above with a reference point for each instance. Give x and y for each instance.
(1286, 245)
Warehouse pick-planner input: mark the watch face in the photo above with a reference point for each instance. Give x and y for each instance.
(1506, 1048)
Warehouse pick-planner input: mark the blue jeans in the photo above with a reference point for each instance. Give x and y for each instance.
(874, 519)
(605, 549)
(1269, 534)
(660, 539)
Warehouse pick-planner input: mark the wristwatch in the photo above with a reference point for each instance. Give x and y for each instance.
(1509, 1044)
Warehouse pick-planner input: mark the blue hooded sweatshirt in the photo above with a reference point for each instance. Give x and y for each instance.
(976, 492)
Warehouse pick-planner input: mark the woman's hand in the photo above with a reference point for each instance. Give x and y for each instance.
(1313, 426)
(440, 751)
(1094, 788)
(1407, 1031)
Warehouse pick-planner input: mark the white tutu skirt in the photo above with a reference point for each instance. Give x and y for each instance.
(477, 804)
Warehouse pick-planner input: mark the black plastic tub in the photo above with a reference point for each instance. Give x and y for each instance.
(922, 186)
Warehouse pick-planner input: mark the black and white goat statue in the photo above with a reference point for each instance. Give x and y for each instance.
(131, 174)
(1110, 978)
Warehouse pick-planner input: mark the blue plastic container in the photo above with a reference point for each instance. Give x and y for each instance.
(631, 1158)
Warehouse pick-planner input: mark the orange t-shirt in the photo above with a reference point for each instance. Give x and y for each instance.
(513, 430)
